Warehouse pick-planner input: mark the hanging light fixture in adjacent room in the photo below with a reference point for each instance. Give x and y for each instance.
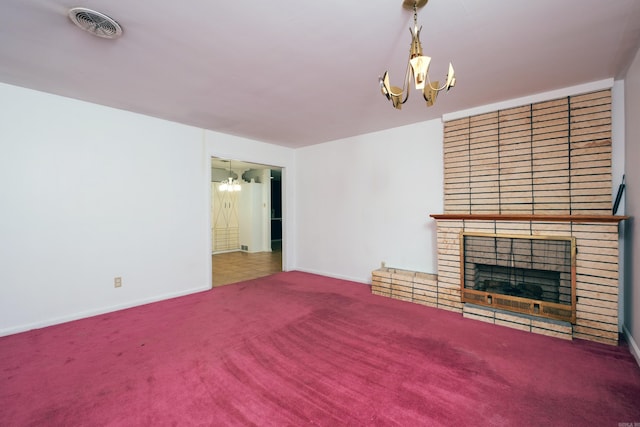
(417, 69)
(230, 184)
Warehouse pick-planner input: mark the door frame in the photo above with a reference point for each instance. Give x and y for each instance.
(284, 249)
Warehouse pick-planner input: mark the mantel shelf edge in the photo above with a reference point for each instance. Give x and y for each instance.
(529, 217)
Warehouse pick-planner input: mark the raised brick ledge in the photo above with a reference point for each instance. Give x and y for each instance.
(406, 285)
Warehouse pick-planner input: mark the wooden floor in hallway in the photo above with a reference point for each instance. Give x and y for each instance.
(233, 267)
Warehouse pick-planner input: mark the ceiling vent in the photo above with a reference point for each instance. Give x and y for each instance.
(96, 23)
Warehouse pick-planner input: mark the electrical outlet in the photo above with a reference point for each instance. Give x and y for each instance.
(117, 282)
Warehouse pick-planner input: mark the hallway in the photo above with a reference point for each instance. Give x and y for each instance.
(233, 267)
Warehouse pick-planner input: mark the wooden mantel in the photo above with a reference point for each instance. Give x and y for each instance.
(529, 217)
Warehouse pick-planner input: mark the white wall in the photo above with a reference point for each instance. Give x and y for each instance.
(88, 193)
(632, 205)
(367, 199)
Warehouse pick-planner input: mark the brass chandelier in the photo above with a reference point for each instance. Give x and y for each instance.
(417, 69)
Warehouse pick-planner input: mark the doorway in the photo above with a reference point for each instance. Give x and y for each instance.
(246, 220)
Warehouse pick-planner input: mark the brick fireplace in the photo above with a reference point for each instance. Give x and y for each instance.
(529, 172)
(596, 270)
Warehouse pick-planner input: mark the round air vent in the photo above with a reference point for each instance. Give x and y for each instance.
(96, 23)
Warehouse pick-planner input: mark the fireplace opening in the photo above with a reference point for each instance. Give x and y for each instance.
(526, 274)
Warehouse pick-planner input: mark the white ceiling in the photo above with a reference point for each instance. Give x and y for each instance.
(299, 73)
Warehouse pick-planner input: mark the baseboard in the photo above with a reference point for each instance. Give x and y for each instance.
(633, 346)
(96, 312)
(335, 276)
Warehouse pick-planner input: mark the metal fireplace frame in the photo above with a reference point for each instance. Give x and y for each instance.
(534, 307)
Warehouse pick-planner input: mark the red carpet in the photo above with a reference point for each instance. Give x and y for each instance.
(299, 349)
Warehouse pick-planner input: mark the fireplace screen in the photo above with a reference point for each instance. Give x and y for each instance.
(526, 274)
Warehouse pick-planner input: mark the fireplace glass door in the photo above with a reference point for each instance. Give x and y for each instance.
(525, 274)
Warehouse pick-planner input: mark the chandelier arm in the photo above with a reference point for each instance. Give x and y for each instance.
(437, 89)
(406, 86)
(449, 82)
